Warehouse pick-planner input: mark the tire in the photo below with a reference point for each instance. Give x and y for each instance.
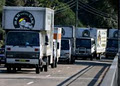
(91, 57)
(53, 64)
(14, 69)
(8, 69)
(68, 61)
(56, 63)
(19, 69)
(99, 56)
(45, 68)
(72, 60)
(37, 70)
(106, 56)
(41, 69)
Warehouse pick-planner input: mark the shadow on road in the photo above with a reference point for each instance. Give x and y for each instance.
(89, 64)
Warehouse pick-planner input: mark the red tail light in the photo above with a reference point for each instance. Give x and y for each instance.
(36, 49)
(8, 49)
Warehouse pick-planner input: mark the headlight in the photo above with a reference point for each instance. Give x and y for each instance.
(35, 56)
(66, 54)
(10, 56)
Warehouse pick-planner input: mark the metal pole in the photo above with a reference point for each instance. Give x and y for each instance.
(119, 43)
(76, 20)
(76, 25)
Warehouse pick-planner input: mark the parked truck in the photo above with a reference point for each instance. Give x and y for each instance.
(112, 43)
(29, 37)
(90, 42)
(67, 44)
(57, 45)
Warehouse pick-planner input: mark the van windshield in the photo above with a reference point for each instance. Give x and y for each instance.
(86, 43)
(112, 43)
(23, 39)
(64, 44)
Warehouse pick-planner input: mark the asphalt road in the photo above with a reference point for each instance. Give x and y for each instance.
(81, 73)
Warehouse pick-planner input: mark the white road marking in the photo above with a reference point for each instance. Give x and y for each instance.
(30, 83)
(68, 67)
(59, 70)
(48, 75)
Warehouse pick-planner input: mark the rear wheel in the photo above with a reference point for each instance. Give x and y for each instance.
(106, 56)
(14, 69)
(37, 70)
(45, 68)
(55, 62)
(68, 61)
(72, 59)
(19, 69)
(91, 57)
(99, 56)
(8, 69)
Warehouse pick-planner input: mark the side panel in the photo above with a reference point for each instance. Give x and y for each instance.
(57, 37)
(50, 24)
(28, 18)
(111, 33)
(79, 32)
(101, 40)
(67, 31)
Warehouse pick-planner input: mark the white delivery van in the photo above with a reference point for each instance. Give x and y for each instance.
(29, 37)
(112, 43)
(90, 42)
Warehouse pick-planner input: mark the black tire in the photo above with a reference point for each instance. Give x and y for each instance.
(37, 70)
(68, 61)
(91, 57)
(45, 68)
(41, 69)
(56, 63)
(72, 59)
(98, 56)
(19, 69)
(53, 64)
(8, 69)
(14, 69)
(106, 56)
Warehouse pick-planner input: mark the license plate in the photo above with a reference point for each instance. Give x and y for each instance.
(21, 60)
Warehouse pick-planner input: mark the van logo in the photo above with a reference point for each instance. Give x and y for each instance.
(24, 20)
(86, 33)
(115, 34)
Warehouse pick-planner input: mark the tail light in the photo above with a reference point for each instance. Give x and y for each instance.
(8, 48)
(67, 54)
(36, 49)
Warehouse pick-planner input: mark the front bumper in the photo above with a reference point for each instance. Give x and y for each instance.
(111, 53)
(63, 58)
(82, 54)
